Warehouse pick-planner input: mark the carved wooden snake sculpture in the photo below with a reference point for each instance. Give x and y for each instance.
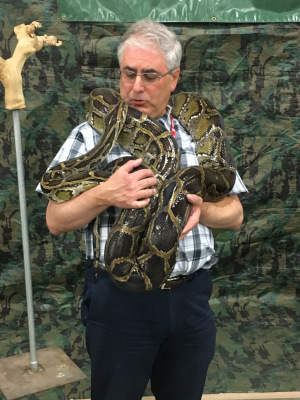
(142, 245)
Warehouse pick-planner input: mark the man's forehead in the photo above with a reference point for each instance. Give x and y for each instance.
(148, 51)
(133, 69)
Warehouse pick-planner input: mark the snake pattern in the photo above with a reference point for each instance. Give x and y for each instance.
(142, 246)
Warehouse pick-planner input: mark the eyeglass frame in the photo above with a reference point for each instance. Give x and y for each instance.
(158, 77)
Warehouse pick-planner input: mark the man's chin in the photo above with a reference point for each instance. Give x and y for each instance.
(145, 108)
(141, 108)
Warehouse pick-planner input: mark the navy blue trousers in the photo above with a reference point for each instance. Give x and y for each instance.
(166, 336)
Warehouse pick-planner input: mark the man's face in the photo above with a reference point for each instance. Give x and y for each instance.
(152, 98)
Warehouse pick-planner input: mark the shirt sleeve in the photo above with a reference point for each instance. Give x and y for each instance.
(82, 139)
(239, 186)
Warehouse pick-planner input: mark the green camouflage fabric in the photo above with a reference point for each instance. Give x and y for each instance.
(251, 72)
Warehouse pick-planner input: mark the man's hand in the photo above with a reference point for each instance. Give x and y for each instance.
(196, 203)
(124, 189)
(223, 214)
(127, 189)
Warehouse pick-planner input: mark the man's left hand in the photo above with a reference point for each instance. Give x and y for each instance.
(194, 216)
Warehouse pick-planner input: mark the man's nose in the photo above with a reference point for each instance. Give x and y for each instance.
(138, 85)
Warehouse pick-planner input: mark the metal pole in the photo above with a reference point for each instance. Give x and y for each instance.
(26, 252)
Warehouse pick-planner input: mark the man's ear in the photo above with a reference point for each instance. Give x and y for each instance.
(175, 76)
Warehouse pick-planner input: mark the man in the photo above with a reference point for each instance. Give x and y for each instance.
(167, 336)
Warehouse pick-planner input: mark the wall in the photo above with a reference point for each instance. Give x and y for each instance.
(252, 74)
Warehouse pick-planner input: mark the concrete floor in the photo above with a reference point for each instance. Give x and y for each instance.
(242, 396)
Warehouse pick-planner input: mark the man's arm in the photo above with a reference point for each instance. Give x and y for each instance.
(124, 189)
(227, 213)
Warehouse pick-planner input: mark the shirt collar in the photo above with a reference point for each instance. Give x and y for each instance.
(166, 118)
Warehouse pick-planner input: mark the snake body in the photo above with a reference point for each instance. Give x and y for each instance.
(142, 245)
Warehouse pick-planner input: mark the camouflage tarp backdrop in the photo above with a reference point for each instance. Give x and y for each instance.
(252, 74)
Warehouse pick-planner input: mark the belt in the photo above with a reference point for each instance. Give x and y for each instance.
(172, 283)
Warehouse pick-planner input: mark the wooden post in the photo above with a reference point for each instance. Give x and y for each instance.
(11, 69)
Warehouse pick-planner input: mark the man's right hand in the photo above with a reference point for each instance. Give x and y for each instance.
(124, 189)
(127, 189)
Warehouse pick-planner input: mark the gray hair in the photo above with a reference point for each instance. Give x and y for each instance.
(147, 33)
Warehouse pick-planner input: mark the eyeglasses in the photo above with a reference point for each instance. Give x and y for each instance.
(148, 78)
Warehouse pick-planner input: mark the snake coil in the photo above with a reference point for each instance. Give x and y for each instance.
(142, 246)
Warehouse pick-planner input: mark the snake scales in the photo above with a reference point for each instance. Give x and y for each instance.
(142, 246)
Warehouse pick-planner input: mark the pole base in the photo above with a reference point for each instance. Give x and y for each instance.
(17, 379)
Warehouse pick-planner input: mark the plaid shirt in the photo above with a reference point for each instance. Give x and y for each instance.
(196, 250)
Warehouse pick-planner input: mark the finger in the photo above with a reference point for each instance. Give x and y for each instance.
(183, 234)
(147, 183)
(188, 226)
(146, 193)
(131, 164)
(143, 174)
(194, 199)
(140, 203)
(193, 219)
